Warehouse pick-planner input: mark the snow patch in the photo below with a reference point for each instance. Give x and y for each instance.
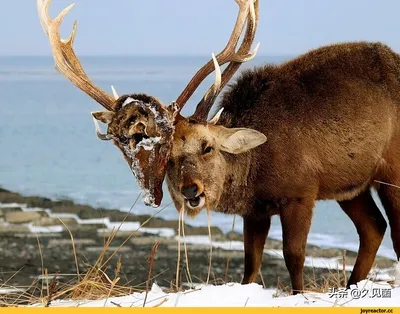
(162, 232)
(11, 205)
(48, 229)
(126, 226)
(11, 290)
(127, 101)
(397, 275)
(251, 295)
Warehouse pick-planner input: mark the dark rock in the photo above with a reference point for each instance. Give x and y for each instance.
(4, 190)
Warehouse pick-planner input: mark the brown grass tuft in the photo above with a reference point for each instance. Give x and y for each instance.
(95, 284)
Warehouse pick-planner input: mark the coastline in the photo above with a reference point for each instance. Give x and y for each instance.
(27, 221)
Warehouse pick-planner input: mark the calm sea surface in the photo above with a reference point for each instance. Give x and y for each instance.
(48, 145)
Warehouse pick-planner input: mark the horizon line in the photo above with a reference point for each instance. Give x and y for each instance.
(137, 56)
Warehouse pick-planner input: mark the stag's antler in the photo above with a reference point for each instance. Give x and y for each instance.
(65, 58)
(248, 11)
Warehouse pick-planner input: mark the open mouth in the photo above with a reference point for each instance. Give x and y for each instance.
(197, 202)
(138, 137)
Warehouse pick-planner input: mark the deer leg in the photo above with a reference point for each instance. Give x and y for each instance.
(296, 221)
(390, 198)
(255, 233)
(371, 227)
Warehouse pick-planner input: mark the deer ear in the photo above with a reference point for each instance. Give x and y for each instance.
(240, 140)
(103, 116)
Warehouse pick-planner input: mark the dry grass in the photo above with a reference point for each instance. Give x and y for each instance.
(150, 260)
(94, 284)
(335, 279)
(228, 258)
(211, 245)
(175, 285)
(189, 276)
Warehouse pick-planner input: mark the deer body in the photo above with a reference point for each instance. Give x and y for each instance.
(330, 118)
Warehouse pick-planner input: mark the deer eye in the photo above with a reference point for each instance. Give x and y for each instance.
(207, 149)
(132, 119)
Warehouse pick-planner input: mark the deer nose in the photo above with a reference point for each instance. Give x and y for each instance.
(190, 192)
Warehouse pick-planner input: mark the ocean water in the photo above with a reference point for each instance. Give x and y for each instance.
(48, 145)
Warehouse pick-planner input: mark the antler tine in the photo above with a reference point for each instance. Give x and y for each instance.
(218, 79)
(64, 56)
(241, 56)
(226, 55)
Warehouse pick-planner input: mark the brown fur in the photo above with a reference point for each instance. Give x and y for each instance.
(331, 121)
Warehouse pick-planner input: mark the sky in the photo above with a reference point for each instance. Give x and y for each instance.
(189, 27)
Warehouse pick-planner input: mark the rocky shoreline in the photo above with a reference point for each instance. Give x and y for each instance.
(24, 255)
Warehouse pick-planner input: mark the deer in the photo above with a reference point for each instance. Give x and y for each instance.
(322, 126)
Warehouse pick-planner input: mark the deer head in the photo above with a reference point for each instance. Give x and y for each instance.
(141, 126)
